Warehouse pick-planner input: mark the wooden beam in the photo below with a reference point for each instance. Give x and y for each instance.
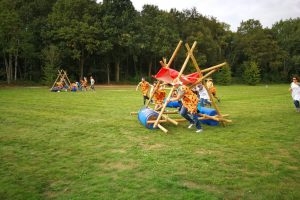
(173, 88)
(162, 128)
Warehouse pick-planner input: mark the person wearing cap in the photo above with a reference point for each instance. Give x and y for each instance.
(189, 105)
(295, 92)
(144, 88)
(212, 89)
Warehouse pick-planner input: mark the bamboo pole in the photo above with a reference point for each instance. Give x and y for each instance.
(170, 120)
(167, 66)
(212, 70)
(178, 77)
(59, 75)
(162, 128)
(214, 67)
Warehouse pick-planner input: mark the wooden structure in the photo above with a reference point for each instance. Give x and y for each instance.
(163, 115)
(62, 76)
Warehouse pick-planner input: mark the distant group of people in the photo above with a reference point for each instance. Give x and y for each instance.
(83, 85)
(189, 98)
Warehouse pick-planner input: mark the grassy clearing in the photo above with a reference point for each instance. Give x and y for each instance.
(87, 146)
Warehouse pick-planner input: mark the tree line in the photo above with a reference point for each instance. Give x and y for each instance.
(116, 43)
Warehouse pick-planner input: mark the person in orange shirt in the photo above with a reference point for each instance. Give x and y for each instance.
(212, 88)
(159, 97)
(189, 105)
(144, 88)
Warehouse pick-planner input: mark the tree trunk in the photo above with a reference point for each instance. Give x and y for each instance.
(7, 69)
(16, 65)
(150, 69)
(108, 73)
(10, 64)
(81, 67)
(117, 71)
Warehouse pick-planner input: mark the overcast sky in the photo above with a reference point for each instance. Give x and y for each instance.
(233, 12)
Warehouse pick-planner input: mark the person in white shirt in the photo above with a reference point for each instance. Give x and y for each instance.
(203, 95)
(295, 92)
(92, 83)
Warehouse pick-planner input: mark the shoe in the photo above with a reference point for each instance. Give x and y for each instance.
(199, 130)
(191, 125)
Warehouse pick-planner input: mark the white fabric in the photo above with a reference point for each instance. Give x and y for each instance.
(295, 91)
(202, 92)
(92, 81)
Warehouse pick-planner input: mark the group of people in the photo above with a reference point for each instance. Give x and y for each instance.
(188, 97)
(62, 85)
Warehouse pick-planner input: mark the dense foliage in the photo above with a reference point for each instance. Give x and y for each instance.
(114, 42)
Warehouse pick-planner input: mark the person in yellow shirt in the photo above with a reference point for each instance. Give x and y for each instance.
(144, 88)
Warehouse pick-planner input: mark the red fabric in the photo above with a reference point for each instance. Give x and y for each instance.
(168, 75)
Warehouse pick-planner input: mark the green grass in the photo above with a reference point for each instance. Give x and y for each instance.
(87, 146)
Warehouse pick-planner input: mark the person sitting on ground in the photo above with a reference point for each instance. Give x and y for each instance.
(203, 95)
(189, 105)
(212, 89)
(74, 87)
(144, 88)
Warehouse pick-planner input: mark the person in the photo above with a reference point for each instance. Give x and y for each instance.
(189, 105)
(203, 95)
(144, 88)
(295, 92)
(159, 97)
(92, 83)
(84, 83)
(74, 87)
(212, 89)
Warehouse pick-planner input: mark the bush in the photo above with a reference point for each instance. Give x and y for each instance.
(251, 73)
(224, 76)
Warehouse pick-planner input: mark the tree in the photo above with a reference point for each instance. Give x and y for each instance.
(74, 27)
(251, 73)
(51, 63)
(224, 76)
(119, 25)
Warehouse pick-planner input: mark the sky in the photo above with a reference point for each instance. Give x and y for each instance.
(233, 12)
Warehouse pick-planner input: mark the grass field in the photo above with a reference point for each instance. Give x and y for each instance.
(85, 145)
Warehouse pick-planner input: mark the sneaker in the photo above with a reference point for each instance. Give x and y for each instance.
(191, 125)
(199, 130)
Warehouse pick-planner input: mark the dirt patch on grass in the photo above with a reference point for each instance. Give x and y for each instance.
(120, 166)
(150, 147)
(194, 185)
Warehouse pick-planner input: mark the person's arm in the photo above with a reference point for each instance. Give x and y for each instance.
(137, 87)
(175, 98)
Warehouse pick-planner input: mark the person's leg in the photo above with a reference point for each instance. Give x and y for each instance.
(197, 121)
(206, 102)
(145, 97)
(202, 102)
(297, 105)
(184, 113)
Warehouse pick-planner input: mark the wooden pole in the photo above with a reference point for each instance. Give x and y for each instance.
(167, 66)
(178, 77)
(212, 70)
(58, 75)
(162, 128)
(214, 67)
